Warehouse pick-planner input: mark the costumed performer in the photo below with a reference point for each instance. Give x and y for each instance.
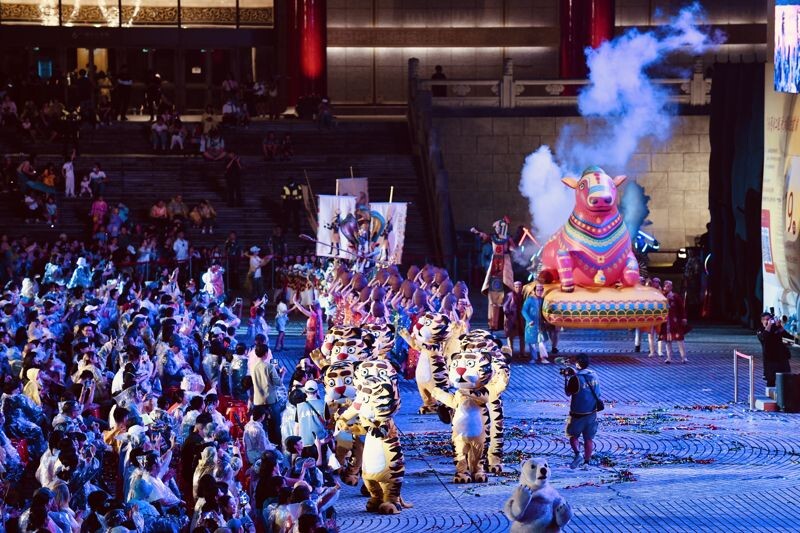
(500, 275)
(535, 331)
(213, 282)
(676, 326)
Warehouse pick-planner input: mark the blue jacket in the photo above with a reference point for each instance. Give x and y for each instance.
(531, 312)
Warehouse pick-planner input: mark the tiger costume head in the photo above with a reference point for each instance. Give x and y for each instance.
(431, 328)
(380, 368)
(336, 333)
(500, 355)
(339, 379)
(479, 334)
(470, 370)
(377, 401)
(354, 349)
(479, 345)
(383, 339)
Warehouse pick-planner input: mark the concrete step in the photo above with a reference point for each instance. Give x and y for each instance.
(769, 392)
(766, 404)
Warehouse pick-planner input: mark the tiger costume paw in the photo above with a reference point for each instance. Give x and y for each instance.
(427, 410)
(495, 469)
(388, 508)
(373, 505)
(349, 479)
(462, 477)
(480, 477)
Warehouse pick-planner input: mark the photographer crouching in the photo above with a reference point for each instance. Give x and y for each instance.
(581, 385)
(775, 353)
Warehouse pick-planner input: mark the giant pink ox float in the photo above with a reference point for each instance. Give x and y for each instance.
(593, 248)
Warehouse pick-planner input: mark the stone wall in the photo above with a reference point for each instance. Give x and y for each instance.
(374, 72)
(484, 157)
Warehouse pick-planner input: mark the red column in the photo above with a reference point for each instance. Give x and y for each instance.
(601, 22)
(307, 43)
(571, 60)
(584, 23)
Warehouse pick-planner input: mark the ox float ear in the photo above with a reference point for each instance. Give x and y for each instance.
(572, 183)
(618, 180)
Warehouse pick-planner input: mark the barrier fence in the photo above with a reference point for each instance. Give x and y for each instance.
(751, 363)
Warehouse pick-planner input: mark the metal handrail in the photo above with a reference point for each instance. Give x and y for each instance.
(736, 355)
(430, 83)
(509, 92)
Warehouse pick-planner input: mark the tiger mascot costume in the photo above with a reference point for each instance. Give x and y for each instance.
(340, 391)
(428, 336)
(383, 464)
(382, 339)
(481, 340)
(469, 373)
(362, 370)
(322, 356)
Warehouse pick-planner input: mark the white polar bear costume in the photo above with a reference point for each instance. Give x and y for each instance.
(535, 506)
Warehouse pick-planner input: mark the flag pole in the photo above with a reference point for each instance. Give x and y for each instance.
(310, 192)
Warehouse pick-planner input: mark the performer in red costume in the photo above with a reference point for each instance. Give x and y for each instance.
(499, 276)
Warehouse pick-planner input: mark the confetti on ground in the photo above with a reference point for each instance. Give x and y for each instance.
(703, 407)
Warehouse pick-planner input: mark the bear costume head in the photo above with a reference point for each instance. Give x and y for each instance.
(535, 473)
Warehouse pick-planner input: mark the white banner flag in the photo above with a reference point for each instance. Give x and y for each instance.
(388, 223)
(333, 211)
(356, 187)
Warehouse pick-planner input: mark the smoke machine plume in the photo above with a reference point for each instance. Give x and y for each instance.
(623, 105)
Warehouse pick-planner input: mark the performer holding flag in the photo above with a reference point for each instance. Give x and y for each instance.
(500, 276)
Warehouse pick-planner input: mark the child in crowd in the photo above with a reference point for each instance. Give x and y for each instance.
(281, 319)
(86, 187)
(32, 205)
(51, 211)
(178, 135)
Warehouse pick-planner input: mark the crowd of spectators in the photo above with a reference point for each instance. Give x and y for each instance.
(57, 108)
(130, 404)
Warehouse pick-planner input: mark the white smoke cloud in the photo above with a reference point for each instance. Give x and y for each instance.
(550, 201)
(624, 106)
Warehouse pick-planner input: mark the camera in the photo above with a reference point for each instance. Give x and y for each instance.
(564, 368)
